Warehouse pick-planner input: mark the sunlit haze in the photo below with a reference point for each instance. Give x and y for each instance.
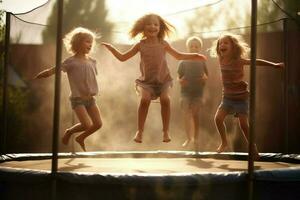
(124, 13)
(174, 11)
(117, 97)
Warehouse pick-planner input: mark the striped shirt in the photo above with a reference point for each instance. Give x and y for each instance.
(234, 87)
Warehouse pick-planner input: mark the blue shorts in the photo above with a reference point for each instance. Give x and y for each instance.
(78, 101)
(234, 107)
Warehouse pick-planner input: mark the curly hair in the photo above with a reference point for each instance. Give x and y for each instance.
(75, 37)
(240, 47)
(138, 28)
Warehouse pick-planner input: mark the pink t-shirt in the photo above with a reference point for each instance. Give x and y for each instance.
(153, 65)
(82, 76)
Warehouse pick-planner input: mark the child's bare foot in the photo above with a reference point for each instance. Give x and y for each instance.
(80, 142)
(187, 142)
(138, 137)
(166, 137)
(66, 137)
(221, 148)
(196, 146)
(256, 154)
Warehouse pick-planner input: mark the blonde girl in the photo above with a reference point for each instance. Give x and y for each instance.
(155, 79)
(81, 70)
(231, 51)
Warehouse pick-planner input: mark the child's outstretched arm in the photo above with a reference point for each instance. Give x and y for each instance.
(122, 56)
(45, 73)
(261, 62)
(183, 56)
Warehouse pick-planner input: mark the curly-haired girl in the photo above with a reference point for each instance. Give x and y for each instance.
(81, 70)
(231, 51)
(155, 79)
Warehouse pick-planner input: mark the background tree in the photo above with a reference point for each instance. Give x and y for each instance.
(267, 12)
(89, 14)
(228, 14)
(291, 8)
(17, 104)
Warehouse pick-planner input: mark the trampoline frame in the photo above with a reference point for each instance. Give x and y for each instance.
(251, 176)
(207, 185)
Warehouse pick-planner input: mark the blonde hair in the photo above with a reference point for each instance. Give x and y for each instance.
(75, 37)
(193, 39)
(240, 47)
(165, 28)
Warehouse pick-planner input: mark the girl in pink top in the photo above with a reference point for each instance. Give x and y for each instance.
(231, 51)
(155, 79)
(81, 71)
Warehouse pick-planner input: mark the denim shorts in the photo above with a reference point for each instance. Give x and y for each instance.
(78, 101)
(234, 107)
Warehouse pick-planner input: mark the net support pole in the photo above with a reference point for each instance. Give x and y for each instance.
(5, 84)
(56, 113)
(285, 86)
(252, 101)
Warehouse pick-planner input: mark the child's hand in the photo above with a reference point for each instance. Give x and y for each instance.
(107, 45)
(279, 65)
(43, 74)
(39, 75)
(204, 77)
(183, 82)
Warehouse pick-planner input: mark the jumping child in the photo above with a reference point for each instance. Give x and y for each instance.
(192, 76)
(81, 70)
(155, 79)
(231, 51)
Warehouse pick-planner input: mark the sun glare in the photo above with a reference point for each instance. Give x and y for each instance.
(17, 6)
(175, 11)
(124, 13)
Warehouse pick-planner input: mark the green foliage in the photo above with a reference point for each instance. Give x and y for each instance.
(17, 103)
(230, 14)
(89, 14)
(17, 106)
(220, 16)
(292, 7)
(267, 12)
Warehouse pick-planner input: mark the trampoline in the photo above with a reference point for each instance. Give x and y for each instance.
(144, 175)
(149, 175)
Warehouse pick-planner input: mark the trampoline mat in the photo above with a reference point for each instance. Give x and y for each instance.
(146, 165)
